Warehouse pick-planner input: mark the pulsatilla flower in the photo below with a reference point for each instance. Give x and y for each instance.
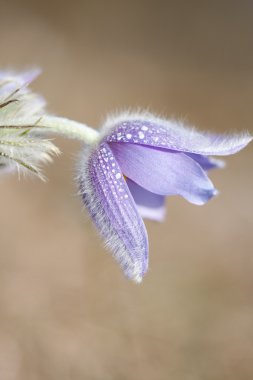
(21, 110)
(138, 160)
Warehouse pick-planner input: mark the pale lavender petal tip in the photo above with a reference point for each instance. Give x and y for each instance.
(15, 85)
(30, 75)
(21, 79)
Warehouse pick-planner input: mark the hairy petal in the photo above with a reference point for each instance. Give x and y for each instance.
(145, 129)
(149, 205)
(163, 172)
(112, 208)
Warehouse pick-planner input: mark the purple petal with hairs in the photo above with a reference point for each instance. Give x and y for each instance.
(113, 210)
(151, 131)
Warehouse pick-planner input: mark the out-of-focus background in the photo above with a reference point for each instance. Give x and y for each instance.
(66, 311)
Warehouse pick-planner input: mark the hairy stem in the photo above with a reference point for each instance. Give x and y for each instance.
(57, 125)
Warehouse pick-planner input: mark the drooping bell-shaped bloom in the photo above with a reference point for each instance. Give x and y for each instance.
(21, 148)
(139, 160)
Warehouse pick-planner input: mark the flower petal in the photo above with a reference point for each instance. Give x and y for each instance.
(146, 129)
(207, 163)
(112, 208)
(21, 79)
(16, 99)
(11, 82)
(149, 205)
(163, 172)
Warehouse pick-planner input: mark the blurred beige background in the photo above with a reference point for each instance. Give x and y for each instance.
(66, 311)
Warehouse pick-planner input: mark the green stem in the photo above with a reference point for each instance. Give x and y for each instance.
(57, 125)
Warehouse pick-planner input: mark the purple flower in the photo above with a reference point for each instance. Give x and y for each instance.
(138, 160)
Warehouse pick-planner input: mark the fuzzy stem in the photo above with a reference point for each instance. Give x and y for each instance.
(57, 125)
(69, 128)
